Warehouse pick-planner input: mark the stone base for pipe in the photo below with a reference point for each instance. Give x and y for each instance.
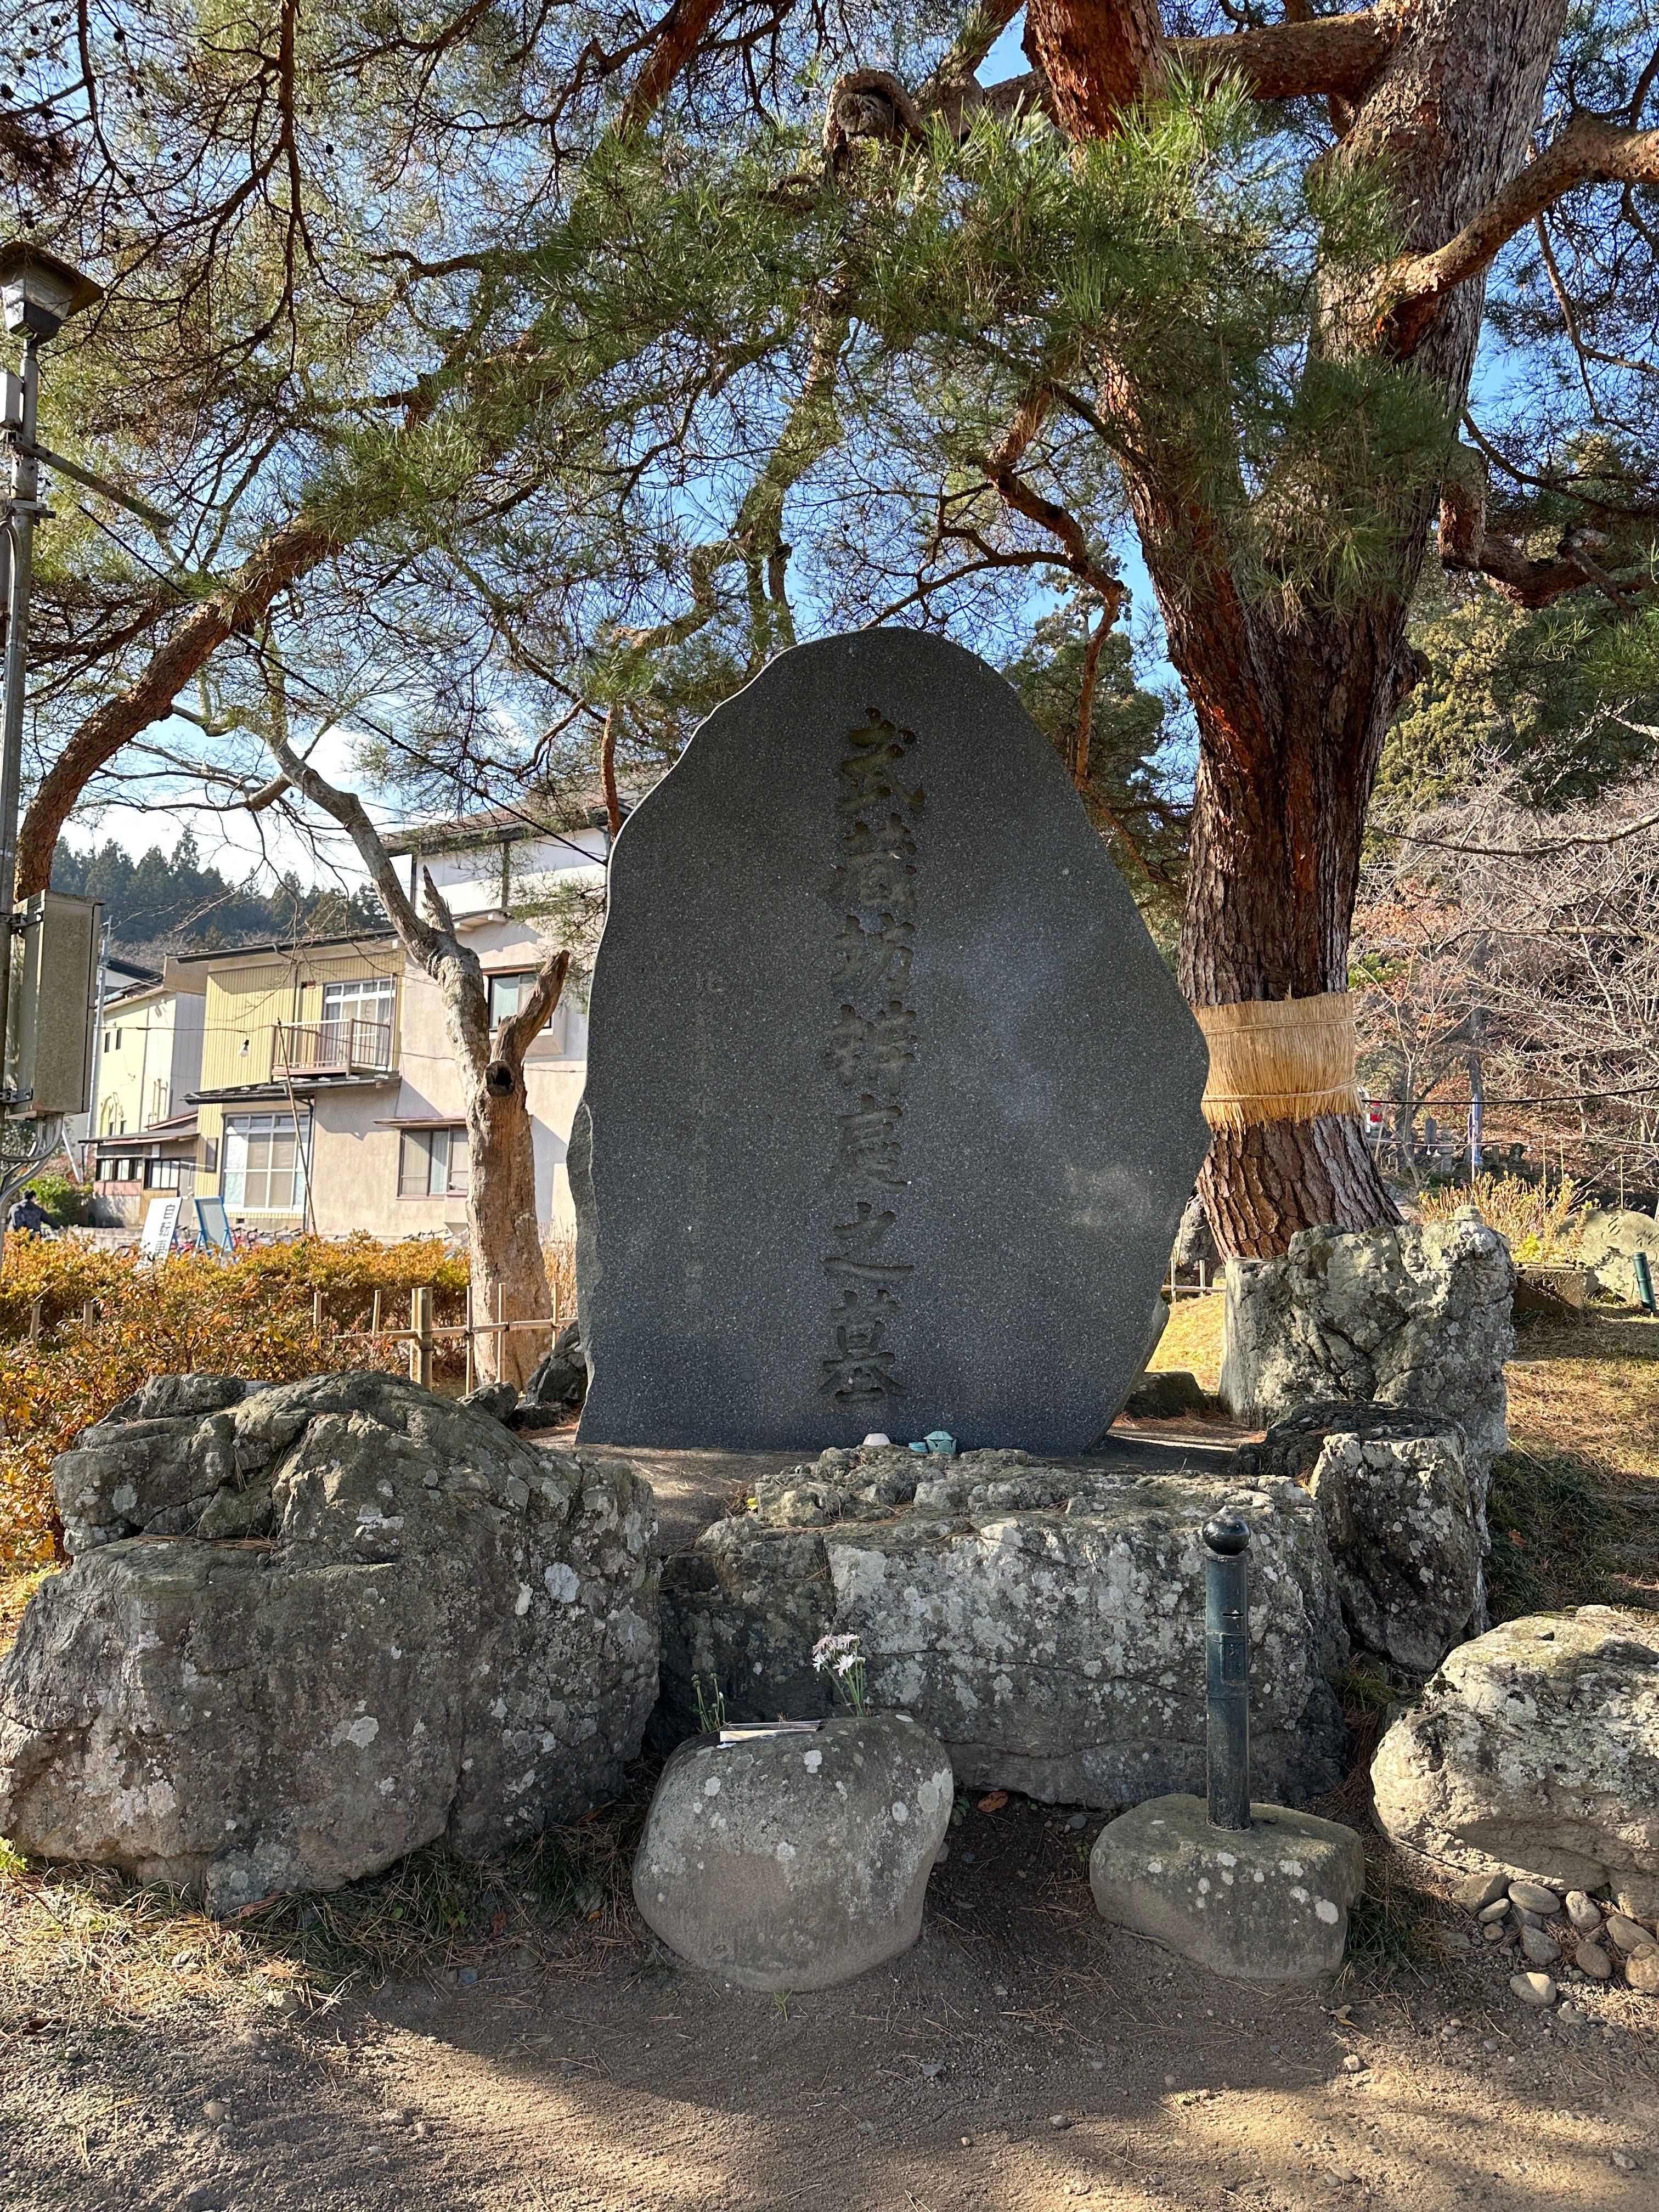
(1267, 1903)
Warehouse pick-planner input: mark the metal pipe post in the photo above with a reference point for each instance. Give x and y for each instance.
(1227, 1670)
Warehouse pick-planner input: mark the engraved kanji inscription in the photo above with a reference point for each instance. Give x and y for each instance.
(871, 1050)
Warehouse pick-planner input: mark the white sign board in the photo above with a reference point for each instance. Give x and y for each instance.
(160, 1227)
(212, 1229)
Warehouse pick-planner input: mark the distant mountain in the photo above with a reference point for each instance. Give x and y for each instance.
(159, 905)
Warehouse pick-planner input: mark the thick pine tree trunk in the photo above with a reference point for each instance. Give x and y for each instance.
(1273, 871)
(1291, 720)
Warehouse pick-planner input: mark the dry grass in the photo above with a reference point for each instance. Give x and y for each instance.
(1542, 1221)
(76, 1944)
(1574, 1502)
(17, 1586)
(1192, 1339)
(559, 1256)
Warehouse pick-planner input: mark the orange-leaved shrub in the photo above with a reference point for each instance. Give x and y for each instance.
(254, 1314)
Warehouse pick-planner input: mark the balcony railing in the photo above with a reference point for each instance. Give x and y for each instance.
(338, 1048)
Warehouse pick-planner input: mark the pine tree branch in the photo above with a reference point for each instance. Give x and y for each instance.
(1587, 152)
(677, 38)
(1099, 56)
(242, 601)
(1464, 546)
(1324, 56)
(290, 553)
(1001, 469)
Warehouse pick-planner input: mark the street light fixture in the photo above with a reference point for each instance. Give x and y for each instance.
(38, 293)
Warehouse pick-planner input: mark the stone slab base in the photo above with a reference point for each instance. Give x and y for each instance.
(1268, 1903)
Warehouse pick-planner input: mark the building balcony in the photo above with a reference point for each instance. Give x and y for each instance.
(349, 1047)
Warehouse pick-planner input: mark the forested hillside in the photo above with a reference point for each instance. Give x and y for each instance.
(160, 904)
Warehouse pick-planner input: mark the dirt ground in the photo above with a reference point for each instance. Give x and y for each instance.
(1024, 2055)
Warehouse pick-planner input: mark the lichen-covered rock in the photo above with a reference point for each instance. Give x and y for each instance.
(1046, 1623)
(1410, 1316)
(312, 1626)
(1536, 1747)
(795, 1861)
(1267, 1903)
(1608, 1246)
(1403, 1518)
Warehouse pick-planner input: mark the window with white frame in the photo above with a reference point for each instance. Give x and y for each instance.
(263, 1172)
(367, 999)
(432, 1163)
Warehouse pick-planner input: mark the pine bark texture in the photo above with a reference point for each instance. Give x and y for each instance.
(1292, 716)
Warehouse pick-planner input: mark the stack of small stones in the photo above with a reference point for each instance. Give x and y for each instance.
(1547, 1928)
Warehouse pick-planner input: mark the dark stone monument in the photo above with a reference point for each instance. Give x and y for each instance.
(892, 1107)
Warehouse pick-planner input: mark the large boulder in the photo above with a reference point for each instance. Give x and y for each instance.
(1046, 1622)
(312, 1626)
(1418, 1316)
(1535, 1748)
(795, 1861)
(1403, 1516)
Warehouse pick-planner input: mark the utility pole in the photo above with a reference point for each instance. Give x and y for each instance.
(38, 294)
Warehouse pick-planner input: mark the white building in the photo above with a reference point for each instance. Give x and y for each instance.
(329, 1088)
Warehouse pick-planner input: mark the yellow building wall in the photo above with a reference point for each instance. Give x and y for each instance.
(246, 999)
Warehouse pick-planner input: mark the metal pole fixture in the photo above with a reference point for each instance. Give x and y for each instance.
(1227, 1670)
(22, 504)
(38, 294)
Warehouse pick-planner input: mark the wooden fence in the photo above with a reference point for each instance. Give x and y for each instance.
(420, 1336)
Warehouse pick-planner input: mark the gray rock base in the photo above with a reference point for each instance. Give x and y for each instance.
(1269, 1903)
(1410, 1316)
(312, 1628)
(795, 1861)
(1046, 1623)
(1536, 1749)
(1403, 1518)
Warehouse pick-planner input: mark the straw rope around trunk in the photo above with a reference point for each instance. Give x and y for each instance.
(1279, 1059)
